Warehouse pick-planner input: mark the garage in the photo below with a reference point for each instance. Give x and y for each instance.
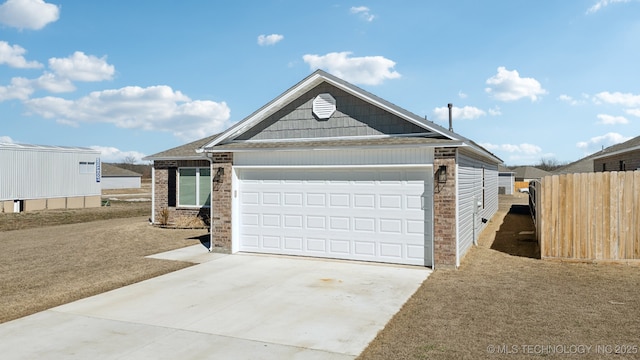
(329, 170)
(380, 214)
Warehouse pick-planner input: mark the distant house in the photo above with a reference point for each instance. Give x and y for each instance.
(114, 177)
(38, 177)
(584, 165)
(506, 180)
(620, 157)
(529, 173)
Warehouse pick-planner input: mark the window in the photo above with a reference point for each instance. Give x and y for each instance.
(194, 187)
(623, 166)
(604, 167)
(87, 167)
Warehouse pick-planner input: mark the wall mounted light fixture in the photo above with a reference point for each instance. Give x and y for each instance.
(442, 174)
(219, 174)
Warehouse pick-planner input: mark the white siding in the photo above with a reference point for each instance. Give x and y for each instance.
(345, 157)
(506, 180)
(121, 182)
(31, 173)
(472, 205)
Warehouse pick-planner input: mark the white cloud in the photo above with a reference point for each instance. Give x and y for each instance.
(633, 112)
(364, 12)
(6, 140)
(80, 67)
(28, 14)
(524, 148)
(570, 100)
(600, 4)
(368, 70)
(265, 40)
(598, 142)
(464, 113)
(517, 153)
(12, 55)
(618, 98)
(20, 89)
(462, 95)
(509, 86)
(495, 111)
(115, 155)
(605, 119)
(155, 108)
(52, 83)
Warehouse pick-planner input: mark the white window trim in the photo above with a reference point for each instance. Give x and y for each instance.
(179, 205)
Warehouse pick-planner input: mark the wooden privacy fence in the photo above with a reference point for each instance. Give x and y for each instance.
(588, 217)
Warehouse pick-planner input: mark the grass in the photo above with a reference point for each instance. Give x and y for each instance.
(42, 266)
(503, 297)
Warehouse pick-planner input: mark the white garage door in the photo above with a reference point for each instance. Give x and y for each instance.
(370, 215)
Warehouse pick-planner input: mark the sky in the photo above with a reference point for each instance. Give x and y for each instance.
(529, 79)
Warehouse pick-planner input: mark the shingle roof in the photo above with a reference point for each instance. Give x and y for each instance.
(184, 151)
(335, 143)
(109, 170)
(530, 172)
(631, 144)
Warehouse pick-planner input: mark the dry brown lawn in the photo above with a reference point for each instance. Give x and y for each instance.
(504, 298)
(42, 266)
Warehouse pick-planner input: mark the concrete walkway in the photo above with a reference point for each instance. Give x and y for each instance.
(227, 307)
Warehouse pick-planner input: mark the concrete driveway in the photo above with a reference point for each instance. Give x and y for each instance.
(227, 307)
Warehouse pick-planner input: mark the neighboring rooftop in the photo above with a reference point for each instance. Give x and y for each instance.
(629, 145)
(109, 170)
(183, 151)
(530, 172)
(45, 147)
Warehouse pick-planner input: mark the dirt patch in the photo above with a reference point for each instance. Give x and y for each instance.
(505, 303)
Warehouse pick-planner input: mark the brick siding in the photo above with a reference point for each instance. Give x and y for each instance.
(221, 199)
(444, 211)
(612, 163)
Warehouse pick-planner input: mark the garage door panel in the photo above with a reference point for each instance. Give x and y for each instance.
(364, 224)
(360, 215)
(293, 199)
(316, 222)
(340, 246)
(316, 199)
(339, 200)
(390, 250)
(339, 223)
(365, 248)
(271, 198)
(293, 243)
(364, 201)
(316, 245)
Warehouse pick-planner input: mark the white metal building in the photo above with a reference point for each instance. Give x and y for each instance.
(114, 177)
(38, 177)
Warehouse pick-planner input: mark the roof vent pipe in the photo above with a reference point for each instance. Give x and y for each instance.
(450, 105)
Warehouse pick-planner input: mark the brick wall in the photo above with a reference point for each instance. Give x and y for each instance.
(444, 211)
(612, 163)
(163, 170)
(221, 201)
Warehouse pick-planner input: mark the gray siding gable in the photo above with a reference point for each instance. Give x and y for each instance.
(353, 117)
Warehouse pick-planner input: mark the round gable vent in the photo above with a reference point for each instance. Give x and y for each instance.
(324, 105)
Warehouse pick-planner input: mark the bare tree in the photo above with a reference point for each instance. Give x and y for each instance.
(130, 160)
(549, 164)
